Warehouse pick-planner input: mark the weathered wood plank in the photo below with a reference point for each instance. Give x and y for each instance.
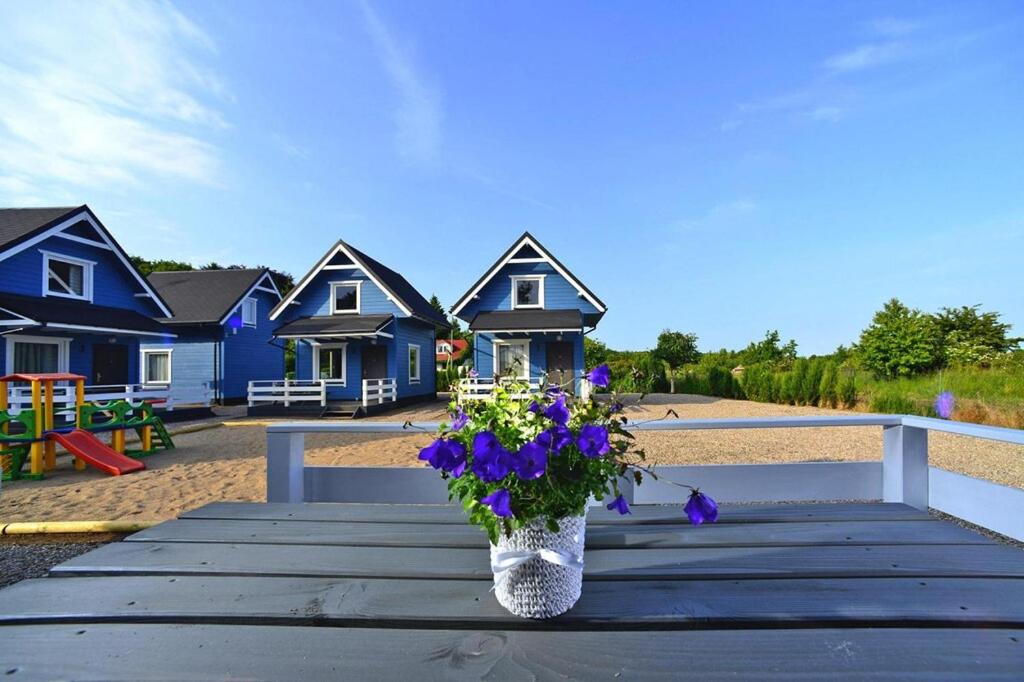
(437, 514)
(140, 558)
(200, 652)
(598, 537)
(442, 604)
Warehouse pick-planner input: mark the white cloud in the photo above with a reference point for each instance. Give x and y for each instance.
(721, 216)
(418, 117)
(864, 57)
(103, 94)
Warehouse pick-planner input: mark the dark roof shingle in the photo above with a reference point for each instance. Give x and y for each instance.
(401, 288)
(17, 224)
(203, 296)
(48, 310)
(334, 325)
(527, 320)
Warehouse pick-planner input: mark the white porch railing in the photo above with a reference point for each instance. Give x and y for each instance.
(287, 391)
(903, 474)
(481, 389)
(20, 397)
(378, 391)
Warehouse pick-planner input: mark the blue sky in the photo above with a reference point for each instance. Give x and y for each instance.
(722, 168)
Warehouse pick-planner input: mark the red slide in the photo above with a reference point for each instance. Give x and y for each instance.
(95, 452)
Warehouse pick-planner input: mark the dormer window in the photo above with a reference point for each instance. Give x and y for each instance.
(67, 277)
(527, 291)
(345, 298)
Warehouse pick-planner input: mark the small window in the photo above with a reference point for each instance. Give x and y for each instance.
(156, 366)
(249, 312)
(344, 297)
(414, 364)
(331, 363)
(512, 359)
(443, 347)
(36, 358)
(67, 277)
(528, 292)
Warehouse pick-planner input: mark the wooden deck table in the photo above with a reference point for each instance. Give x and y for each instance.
(377, 592)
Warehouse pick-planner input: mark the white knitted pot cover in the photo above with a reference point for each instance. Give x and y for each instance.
(537, 573)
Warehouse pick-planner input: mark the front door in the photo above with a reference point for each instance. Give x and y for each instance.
(375, 362)
(109, 364)
(560, 370)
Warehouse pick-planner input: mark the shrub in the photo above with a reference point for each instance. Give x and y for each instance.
(810, 387)
(892, 401)
(828, 388)
(900, 342)
(847, 389)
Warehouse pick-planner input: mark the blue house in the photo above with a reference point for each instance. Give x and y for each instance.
(362, 333)
(528, 314)
(71, 300)
(223, 333)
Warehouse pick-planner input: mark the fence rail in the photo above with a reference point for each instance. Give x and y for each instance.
(902, 475)
(379, 391)
(482, 389)
(20, 397)
(287, 391)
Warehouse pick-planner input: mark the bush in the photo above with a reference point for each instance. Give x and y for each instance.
(892, 401)
(900, 342)
(828, 388)
(847, 389)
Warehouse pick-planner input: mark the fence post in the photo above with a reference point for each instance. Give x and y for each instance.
(905, 465)
(285, 463)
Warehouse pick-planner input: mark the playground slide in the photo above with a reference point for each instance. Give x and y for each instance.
(95, 452)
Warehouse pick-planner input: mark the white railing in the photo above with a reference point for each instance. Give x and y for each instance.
(20, 397)
(903, 474)
(288, 391)
(378, 391)
(481, 389)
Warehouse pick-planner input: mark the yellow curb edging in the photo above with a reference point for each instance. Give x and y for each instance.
(34, 527)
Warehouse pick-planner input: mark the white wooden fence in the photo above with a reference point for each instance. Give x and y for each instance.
(482, 389)
(379, 391)
(288, 392)
(20, 397)
(903, 474)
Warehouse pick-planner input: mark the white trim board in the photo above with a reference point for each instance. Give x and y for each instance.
(73, 219)
(343, 347)
(539, 305)
(63, 350)
(322, 265)
(527, 240)
(88, 275)
(358, 284)
(107, 330)
(143, 352)
(257, 286)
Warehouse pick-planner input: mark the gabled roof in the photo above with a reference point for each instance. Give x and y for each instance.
(208, 296)
(397, 288)
(533, 251)
(62, 313)
(20, 228)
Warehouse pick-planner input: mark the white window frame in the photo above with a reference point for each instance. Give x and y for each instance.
(63, 350)
(87, 275)
(443, 348)
(251, 301)
(317, 347)
(419, 359)
(358, 284)
(143, 357)
(512, 342)
(540, 292)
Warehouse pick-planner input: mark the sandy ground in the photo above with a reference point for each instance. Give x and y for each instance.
(227, 462)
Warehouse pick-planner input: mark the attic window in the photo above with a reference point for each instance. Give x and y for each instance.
(249, 312)
(67, 277)
(527, 291)
(344, 297)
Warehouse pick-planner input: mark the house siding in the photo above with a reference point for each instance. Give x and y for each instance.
(559, 294)
(412, 331)
(193, 360)
(113, 284)
(315, 299)
(250, 353)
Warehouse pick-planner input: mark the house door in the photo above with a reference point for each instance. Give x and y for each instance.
(109, 364)
(375, 362)
(560, 368)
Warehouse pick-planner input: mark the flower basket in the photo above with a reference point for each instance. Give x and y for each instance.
(539, 573)
(525, 467)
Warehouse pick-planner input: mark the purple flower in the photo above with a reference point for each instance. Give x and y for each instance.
(491, 462)
(593, 440)
(531, 461)
(944, 404)
(499, 501)
(701, 508)
(534, 407)
(553, 391)
(447, 455)
(557, 411)
(554, 439)
(615, 407)
(600, 375)
(459, 420)
(473, 374)
(620, 505)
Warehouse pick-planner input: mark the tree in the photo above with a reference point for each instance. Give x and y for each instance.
(282, 280)
(676, 349)
(970, 337)
(594, 352)
(900, 342)
(770, 350)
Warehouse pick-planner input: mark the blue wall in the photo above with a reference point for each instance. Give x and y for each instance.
(559, 294)
(483, 352)
(248, 353)
(113, 284)
(315, 299)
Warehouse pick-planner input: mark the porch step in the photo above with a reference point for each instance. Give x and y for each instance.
(342, 410)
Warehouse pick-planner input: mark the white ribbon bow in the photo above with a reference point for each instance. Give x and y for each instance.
(502, 562)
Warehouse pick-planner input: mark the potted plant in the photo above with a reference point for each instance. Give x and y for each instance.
(525, 470)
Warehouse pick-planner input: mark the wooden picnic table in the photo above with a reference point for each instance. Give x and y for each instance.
(369, 592)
